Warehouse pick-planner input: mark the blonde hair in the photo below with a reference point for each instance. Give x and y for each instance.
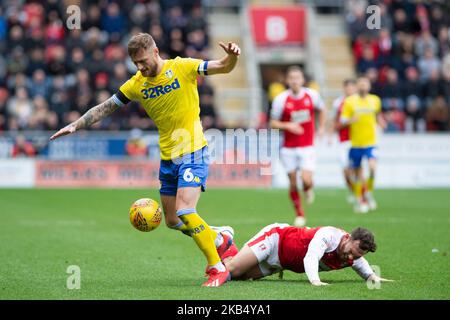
(140, 41)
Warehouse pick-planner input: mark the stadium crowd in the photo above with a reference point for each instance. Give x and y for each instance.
(407, 60)
(50, 75)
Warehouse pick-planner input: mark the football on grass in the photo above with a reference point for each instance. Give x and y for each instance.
(145, 214)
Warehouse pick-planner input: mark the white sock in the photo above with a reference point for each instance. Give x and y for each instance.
(219, 266)
(219, 240)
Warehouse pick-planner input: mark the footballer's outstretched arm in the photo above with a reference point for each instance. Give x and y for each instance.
(91, 116)
(228, 62)
(362, 267)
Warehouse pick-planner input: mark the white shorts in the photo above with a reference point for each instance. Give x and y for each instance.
(344, 151)
(300, 158)
(265, 247)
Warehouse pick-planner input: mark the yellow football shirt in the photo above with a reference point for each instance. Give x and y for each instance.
(171, 101)
(363, 131)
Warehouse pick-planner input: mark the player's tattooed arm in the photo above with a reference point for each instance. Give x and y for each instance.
(92, 116)
(96, 113)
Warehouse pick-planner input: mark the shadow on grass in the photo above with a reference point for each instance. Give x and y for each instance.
(303, 281)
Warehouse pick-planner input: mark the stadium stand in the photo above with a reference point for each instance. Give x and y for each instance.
(407, 60)
(49, 75)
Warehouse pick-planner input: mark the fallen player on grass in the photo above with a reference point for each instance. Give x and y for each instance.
(279, 247)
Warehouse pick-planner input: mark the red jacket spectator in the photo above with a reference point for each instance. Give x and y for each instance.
(23, 148)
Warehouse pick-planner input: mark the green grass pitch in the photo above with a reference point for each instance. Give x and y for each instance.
(43, 232)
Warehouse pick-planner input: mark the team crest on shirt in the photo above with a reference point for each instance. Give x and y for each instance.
(168, 74)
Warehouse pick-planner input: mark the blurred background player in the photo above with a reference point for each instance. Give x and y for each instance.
(361, 112)
(349, 88)
(293, 111)
(167, 89)
(279, 247)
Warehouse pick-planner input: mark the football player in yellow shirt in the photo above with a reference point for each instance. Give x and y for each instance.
(362, 112)
(167, 89)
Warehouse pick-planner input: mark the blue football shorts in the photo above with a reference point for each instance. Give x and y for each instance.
(189, 170)
(356, 155)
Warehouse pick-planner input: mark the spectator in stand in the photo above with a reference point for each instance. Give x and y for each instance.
(446, 62)
(364, 41)
(17, 62)
(176, 43)
(38, 119)
(82, 93)
(37, 61)
(414, 115)
(401, 22)
(444, 41)
(3, 69)
(59, 95)
(16, 38)
(356, 20)
(445, 85)
(17, 81)
(136, 145)
(158, 35)
(22, 148)
(101, 81)
(390, 92)
(438, 19)
(433, 87)
(40, 54)
(20, 107)
(51, 121)
(138, 14)
(412, 85)
(395, 120)
(74, 39)
(407, 61)
(428, 63)
(112, 20)
(438, 115)
(426, 41)
(77, 59)
(93, 17)
(97, 62)
(367, 60)
(174, 19)
(40, 84)
(119, 76)
(197, 20)
(3, 101)
(385, 47)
